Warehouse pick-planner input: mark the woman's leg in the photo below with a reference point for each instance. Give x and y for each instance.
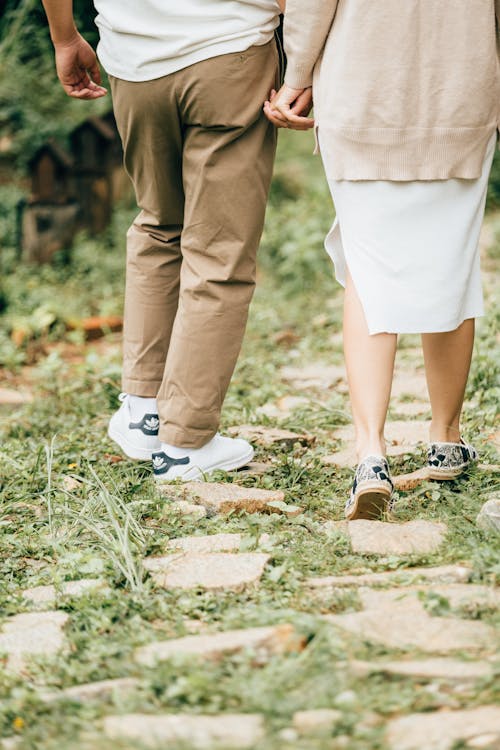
(447, 363)
(370, 367)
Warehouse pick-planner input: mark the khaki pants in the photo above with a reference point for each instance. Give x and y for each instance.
(200, 154)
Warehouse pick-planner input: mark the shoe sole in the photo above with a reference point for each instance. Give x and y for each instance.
(371, 503)
(446, 474)
(130, 450)
(196, 473)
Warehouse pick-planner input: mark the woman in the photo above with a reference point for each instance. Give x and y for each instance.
(406, 113)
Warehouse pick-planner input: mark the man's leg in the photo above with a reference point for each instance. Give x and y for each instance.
(147, 118)
(227, 164)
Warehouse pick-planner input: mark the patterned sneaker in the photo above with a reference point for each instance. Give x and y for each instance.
(220, 453)
(449, 460)
(137, 440)
(371, 491)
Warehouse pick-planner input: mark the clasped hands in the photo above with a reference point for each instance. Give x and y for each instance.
(289, 108)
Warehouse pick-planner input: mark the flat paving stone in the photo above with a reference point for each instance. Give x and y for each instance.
(255, 469)
(411, 408)
(93, 690)
(407, 482)
(235, 731)
(224, 498)
(409, 385)
(489, 516)
(11, 397)
(271, 436)
(451, 670)
(314, 375)
(442, 573)
(276, 639)
(283, 407)
(200, 545)
(190, 509)
(441, 730)
(404, 433)
(49, 594)
(215, 571)
(381, 538)
(316, 719)
(398, 619)
(31, 634)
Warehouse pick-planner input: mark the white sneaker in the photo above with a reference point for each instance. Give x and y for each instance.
(220, 453)
(137, 440)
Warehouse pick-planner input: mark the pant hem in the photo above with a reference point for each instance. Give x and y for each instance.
(185, 438)
(143, 388)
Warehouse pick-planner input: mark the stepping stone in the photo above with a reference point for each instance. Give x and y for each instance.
(49, 594)
(443, 573)
(32, 634)
(450, 670)
(284, 509)
(407, 482)
(277, 639)
(190, 509)
(255, 469)
(411, 408)
(200, 545)
(346, 457)
(381, 538)
(270, 436)
(409, 383)
(70, 484)
(315, 375)
(235, 731)
(400, 433)
(398, 619)
(314, 720)
(11, 397)
(283, 407)
(215, 571)
(224, 498)
(442, 730)
(489, 516)
(90, 691)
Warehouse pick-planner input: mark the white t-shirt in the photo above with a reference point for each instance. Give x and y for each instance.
(147, 39)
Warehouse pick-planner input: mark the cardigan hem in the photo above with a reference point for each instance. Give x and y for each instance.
(404, 155)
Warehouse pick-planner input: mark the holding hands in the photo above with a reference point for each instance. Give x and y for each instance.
(289, 108)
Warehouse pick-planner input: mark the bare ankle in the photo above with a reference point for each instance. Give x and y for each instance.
(444, 433)
(370, 445)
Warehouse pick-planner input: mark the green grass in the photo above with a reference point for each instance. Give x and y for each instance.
(105, 525)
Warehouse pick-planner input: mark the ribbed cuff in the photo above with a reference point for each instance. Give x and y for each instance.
(298, 77)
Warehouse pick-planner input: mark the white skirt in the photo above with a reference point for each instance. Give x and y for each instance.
(412, 249)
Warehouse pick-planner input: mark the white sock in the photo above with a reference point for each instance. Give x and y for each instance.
(140, 406)
(173, 451)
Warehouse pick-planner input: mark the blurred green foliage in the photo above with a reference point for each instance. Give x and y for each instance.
(33, 107)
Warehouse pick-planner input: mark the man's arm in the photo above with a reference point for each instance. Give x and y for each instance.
(76, 61)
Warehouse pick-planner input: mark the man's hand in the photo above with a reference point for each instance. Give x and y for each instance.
(78, 69)
(289, 108)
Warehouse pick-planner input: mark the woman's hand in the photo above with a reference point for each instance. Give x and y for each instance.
(78, 69)
(289, 108)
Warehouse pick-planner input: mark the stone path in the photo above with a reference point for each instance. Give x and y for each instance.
(398, 619)
(279, 639)
(31, 634)
(440, 730)
(386, 608)
(197, 732)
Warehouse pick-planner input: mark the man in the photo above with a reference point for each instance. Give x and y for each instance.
(188, 81)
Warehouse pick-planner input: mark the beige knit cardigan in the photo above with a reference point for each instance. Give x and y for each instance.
(403, 89)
